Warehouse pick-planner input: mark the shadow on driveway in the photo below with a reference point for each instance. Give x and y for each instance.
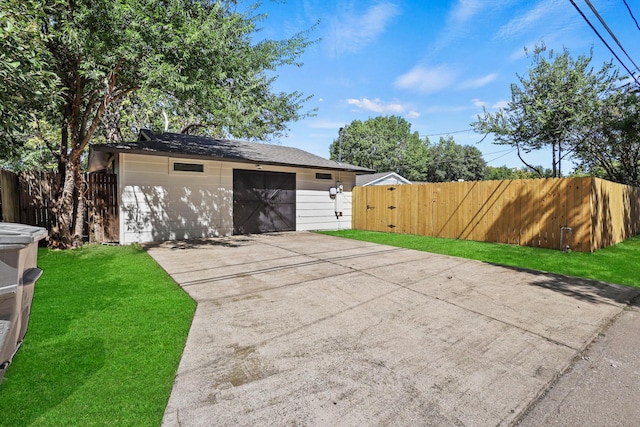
(307, 329)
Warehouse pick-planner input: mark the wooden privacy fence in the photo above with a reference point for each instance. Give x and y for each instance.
(584, 214)
(9, 198)
(28, 198)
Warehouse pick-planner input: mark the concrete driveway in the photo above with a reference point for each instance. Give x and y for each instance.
(306, 329)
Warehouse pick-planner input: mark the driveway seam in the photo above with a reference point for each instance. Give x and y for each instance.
(463, 262)
(362, 342)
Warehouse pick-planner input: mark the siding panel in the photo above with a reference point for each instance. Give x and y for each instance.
(157, 203)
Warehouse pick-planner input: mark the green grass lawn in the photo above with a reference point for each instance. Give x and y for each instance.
(616, 264)
(106, 333)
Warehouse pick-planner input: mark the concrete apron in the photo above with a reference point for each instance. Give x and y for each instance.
(306, 329)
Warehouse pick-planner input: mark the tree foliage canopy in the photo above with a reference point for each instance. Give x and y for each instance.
(26, 81)
(195, 58)
(452, 162)
(554, 105)
(384, 144)
(503, 172)
(612, 150)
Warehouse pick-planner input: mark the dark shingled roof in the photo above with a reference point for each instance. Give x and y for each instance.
(231, 150)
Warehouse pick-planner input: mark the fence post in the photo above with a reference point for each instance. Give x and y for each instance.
(10, 201)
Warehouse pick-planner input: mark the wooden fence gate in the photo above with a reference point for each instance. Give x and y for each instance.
(585, 214)
(103, 209)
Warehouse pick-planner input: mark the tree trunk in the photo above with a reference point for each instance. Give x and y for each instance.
(559, 159)
(554, 161)
(78, 220)
(65, 235)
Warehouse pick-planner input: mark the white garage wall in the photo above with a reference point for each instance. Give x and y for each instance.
(315, 210)
(158, 203)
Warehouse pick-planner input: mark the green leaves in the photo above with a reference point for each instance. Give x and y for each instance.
(73, 63)
(26, 84)
(552, 106)
(384, 144)
(452, 162)
(612, 149)
(198, 56)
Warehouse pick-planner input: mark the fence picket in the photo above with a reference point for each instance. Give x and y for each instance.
(30, 196)
(528, 212)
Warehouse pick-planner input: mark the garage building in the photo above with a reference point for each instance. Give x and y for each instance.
(177, 186)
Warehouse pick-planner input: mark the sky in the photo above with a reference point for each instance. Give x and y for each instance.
(435, 63)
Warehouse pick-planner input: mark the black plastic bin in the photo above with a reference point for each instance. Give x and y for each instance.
(18, 275)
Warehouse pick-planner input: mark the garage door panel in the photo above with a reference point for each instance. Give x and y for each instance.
(263, 201)
(281, 196)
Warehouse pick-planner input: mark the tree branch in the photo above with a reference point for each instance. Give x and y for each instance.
(48, 143)
(192, 126)
(538, 171)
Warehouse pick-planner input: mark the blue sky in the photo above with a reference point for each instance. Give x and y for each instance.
(435, 63)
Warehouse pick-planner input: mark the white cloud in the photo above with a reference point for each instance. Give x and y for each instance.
(426, 80)
(478, 82)
(466, 18)
(478, 103)
(500, 104)
(376, 105)
(354, 30)
(464, 10)
(542, 10)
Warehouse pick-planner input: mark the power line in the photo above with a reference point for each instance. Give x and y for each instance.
(631, 13)
(603, 40)
(604, 24)
(447, 133)
(505, 154)
(508, 150)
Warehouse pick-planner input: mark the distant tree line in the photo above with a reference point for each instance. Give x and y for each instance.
(387, 144)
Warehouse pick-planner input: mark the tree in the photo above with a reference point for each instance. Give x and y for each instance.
(453, 162)
(552, 107)
(612, 151)
(25, 82)
(504, 173)
(384, 144)
(194, 58)
(499, 173)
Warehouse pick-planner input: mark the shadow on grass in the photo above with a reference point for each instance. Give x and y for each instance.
(55, 371)
(587, 290)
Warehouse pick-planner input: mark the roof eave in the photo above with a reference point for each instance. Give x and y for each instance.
(111, 149)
